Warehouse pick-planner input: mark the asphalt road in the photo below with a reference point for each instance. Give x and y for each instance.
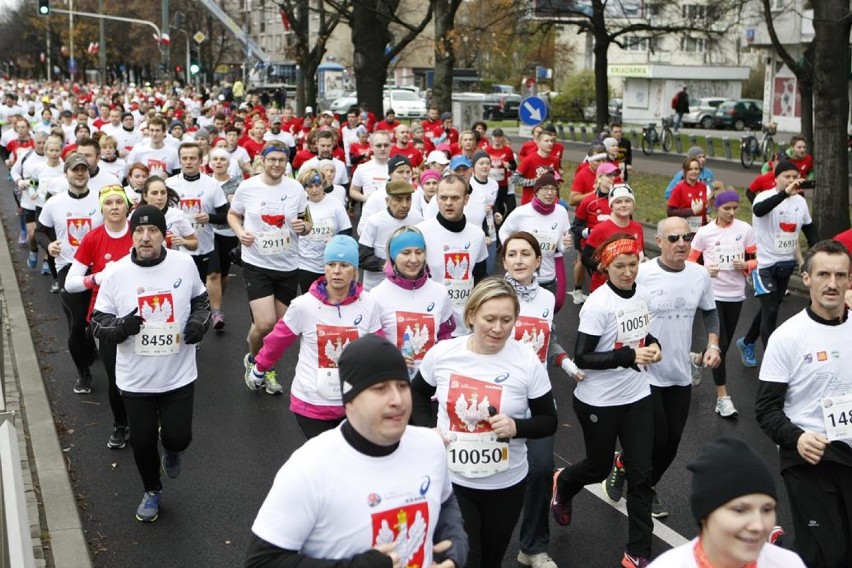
(241, 438)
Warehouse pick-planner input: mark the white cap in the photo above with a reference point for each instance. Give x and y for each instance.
(438, 157)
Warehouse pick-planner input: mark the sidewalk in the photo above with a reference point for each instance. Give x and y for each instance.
(55, 527)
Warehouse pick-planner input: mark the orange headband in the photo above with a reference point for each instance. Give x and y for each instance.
(615, 248)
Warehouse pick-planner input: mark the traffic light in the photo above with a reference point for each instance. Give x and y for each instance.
(194, 68)
(194, 62)
(43, 7)
(178, 69)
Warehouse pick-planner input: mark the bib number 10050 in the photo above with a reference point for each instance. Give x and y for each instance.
(476, 456)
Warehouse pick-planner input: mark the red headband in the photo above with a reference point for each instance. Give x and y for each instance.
(615, 248)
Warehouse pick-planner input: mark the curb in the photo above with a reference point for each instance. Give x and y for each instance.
(66, 538)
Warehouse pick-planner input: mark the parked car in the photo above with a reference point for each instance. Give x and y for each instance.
(738, 114)
(341, 104)
(613, 108)
(502, 102)
(405, 103)
(703, 112)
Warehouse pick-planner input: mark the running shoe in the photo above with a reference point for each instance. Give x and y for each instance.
(561, 511)
(45, 268)
(613, 486)
(171, 463)
(253, 382)
(32, 259)
(272, 386)
(775, 535)
(119, 437)
(630, 561)
(22, 238)
(149, 509)
(657, 509)
(579, 297)
(84, 383)
(54, 288)
(747, 352)
(540, 560)
(697, 366)
(218, 320)
(725, 407)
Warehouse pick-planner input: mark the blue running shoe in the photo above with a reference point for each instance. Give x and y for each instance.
(149, 509)
(747, 352)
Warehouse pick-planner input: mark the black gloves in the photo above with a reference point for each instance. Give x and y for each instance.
(130, 324)
(193, 333)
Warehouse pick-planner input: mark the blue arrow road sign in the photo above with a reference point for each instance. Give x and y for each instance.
(533, 111)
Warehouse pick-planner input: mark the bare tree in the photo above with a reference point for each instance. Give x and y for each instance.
(832, 24)
(445, 55)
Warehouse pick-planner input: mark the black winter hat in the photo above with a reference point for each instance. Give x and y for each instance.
(367, 361)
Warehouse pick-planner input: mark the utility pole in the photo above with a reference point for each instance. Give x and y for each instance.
(72, 64)
(47, 56)
(102, 45)
(163, 45)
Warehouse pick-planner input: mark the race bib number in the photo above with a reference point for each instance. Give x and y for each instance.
(331, 341)
(694, 222)
(633, 325)
(273, 242)
(457, 277)
(547, 240)
(477, 455)
(322, 230)
(728, 252)
(157, 339)
(77, 228)
(837, 414)
(786, 243)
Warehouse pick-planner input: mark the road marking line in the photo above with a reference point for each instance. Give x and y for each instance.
(661, 531)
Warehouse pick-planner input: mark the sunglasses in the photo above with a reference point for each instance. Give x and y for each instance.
(687, 237)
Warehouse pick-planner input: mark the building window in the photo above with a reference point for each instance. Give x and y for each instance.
(694, 12)
(636, 44)
(694, 44)
(653, 11)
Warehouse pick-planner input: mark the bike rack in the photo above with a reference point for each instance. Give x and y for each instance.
(635, 139)
(572, 132)
(711, 151)
(560, 131)
(679, 143)
(584, 134)
(726, 146)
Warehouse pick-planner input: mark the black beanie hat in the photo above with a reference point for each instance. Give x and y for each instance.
(367, 361)
(148, 215)
(784, 166)
(727, 468)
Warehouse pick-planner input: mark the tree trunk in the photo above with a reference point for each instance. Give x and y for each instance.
(831, 103)
(805, 77)
(370, 36)
(445, 57)
(602, 40)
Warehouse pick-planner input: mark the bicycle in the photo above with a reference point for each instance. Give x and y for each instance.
(650, 137)
(751, 148)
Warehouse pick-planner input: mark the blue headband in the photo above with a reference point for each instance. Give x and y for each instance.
(270, 149)
(405, 240)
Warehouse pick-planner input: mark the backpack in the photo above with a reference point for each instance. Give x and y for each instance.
(674, 101)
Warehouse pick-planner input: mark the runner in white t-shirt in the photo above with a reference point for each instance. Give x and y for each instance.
(334, 312)
(160, 158)
(373, 174)
(493, 393)
(268, 215)
(613, 402)
(777, 217)
(373, 492)
(415, 310)
(156, 322)
(803, 405)
(727, 246)
(179, 232)
(522, 257)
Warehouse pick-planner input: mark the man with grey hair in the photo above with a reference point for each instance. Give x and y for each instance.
(373, 174)
(678, 289)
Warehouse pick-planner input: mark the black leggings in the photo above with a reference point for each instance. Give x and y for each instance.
(633, 425)
(163, 416)
(490, 516)
(107, 351)
(671, 409)
(81, 345)
(729, 315)
(313, 427)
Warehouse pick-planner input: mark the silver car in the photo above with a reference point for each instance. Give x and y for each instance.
(701, 112)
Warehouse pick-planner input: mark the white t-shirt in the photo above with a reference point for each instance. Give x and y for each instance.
(340, 175)
(370, 176)
(777, 233)
(117, 168)
(419, 203)
(72, 219)
(325, 331)
(535, 321)
(162, 294)
(161, 162)
(203, 195)
(284, 137)
(176, 223)
(348, 136)
(376, 201)
(675, 296)
(26, 167)
(451, 258)
(375, 231)
(813, 360)
(467, 384)
(721, 245)
(127, 140)
(771, 556)
(328, 217)
(268, 212)
(547, 230)
(419, 313)
(396, 498)
(618, 322)
(47, 177)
